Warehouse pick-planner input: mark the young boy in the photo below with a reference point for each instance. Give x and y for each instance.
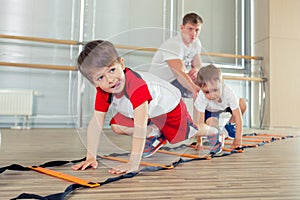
(214, 98)
(139, 98)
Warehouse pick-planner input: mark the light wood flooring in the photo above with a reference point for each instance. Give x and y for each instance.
(271, 171)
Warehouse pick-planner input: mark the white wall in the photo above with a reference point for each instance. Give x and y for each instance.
(218, 33)
(277, 38)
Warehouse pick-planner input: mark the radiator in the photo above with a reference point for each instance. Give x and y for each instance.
(17, 103)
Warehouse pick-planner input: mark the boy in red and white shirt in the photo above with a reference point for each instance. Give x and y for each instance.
(140, 99)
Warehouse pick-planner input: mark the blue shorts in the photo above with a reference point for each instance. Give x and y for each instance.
(184, 92)
(209, 114)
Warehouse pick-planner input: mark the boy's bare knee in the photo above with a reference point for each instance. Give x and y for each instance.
(212, 121)
(204, 130)
(116, 129)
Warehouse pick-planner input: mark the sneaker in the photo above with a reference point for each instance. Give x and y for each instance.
(153, 144)
(216, 142)
(230, 128)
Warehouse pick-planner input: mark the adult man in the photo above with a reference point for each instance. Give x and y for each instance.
(178, 59)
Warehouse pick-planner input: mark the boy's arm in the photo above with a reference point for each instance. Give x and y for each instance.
(239, 126)
(203, 128)
(139, 135)
(93, 134)
(198, 117)
(138, 141)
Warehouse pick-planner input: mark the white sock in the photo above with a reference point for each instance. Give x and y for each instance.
(154, 131)
(224, 119)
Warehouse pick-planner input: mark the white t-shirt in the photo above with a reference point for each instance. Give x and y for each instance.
(228, 100)
(138, 86)
(173, 48)
(165, 97)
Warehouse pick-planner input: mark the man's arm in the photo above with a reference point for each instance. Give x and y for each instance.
(196, 65)
(178, 68)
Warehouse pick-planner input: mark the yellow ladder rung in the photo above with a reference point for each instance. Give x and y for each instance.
(65, 176)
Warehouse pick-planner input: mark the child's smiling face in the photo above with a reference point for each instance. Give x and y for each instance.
(111, 79)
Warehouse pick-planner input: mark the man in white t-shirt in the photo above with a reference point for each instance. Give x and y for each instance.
(178, 59)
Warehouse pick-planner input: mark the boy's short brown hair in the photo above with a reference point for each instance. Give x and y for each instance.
(208, 73)
(96, 54)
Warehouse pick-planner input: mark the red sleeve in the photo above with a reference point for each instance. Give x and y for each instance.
(103, 100)
(136, 88)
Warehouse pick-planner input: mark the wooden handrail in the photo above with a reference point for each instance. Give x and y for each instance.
(39, 66)
(151, 49)
(73, 68)
(224, 55)
(38, 39)
(240, 78)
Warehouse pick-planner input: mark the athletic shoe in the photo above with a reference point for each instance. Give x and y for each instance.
(153, 144)
(230, 128)
(216, 142)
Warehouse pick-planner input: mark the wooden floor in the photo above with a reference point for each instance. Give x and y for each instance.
(267, 172)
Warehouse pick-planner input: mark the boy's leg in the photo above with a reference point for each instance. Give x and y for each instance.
(230, 126)
(153, 143)
(211, 121)
(177, 126)
(214, 124)
(216, 142)
(121, 124)
(211, 124)
(174, 125)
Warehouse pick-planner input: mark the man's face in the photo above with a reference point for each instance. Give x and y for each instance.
(190, 32)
